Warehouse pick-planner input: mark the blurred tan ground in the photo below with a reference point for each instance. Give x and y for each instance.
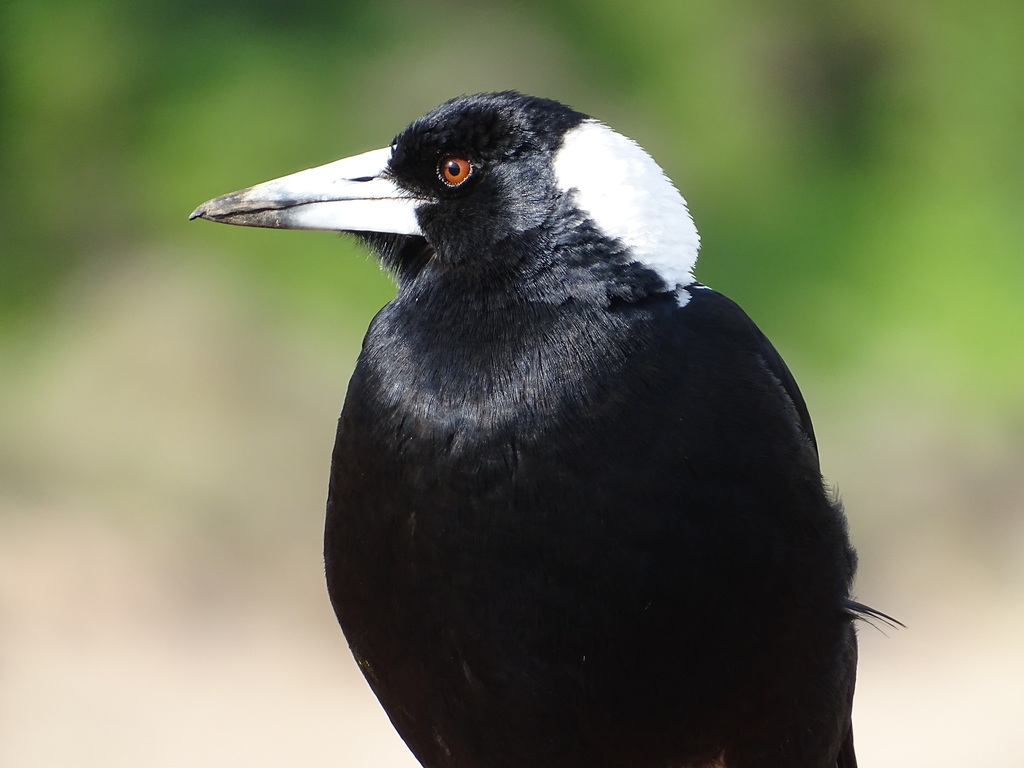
(164, 448)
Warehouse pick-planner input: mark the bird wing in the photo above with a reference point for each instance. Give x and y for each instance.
(728, 314)
(776, 365)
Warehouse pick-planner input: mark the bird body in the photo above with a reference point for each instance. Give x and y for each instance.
(575, 516)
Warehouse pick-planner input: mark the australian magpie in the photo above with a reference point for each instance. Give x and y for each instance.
(576, 517)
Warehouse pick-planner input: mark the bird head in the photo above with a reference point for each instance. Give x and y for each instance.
(503, 189)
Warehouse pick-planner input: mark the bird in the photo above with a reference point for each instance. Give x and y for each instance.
(576, 516)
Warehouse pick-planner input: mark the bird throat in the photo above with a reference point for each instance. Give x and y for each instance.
(445, 371)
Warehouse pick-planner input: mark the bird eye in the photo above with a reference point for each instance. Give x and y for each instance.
(454, 170)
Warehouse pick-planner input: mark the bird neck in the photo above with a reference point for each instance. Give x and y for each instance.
(488, 362)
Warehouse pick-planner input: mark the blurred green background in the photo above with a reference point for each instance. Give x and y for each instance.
(168, 391)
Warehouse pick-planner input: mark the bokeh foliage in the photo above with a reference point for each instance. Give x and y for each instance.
(856, 169)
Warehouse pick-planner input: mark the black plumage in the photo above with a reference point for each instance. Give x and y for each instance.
(576, 516)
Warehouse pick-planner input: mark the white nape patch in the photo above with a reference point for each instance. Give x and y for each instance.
(628, 196)
(685, 292)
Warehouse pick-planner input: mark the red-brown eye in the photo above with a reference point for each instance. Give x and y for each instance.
(454, 170)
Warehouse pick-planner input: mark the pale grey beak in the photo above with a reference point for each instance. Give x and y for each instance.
(351, 195)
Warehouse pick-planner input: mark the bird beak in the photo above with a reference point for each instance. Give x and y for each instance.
(351, 195)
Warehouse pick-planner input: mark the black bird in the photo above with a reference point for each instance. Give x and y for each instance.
(576, 517)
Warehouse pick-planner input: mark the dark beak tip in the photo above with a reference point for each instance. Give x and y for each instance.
(198, 213)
